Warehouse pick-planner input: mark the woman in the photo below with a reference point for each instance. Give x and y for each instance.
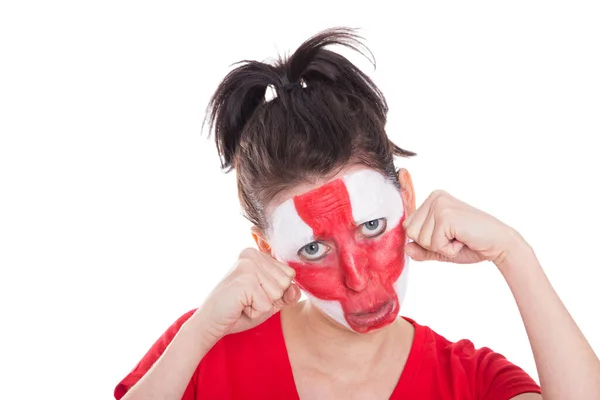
(333, 218)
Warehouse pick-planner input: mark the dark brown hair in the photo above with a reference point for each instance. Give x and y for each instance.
(326, 114)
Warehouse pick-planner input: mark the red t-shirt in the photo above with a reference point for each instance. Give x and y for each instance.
(254, 365)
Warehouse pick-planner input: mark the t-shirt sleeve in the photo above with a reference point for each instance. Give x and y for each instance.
(150, 358)
(499, 379)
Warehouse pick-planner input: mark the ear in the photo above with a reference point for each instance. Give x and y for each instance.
(260, 240)
(407, 191)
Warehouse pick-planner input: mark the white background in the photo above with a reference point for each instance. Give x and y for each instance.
(115, 217)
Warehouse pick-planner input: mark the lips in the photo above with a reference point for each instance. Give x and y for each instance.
(364, 321)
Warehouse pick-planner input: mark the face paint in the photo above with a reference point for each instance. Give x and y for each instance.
(346, 242)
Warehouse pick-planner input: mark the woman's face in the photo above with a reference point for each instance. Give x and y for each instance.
(345, 240)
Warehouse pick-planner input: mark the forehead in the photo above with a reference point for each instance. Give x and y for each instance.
(353, 199)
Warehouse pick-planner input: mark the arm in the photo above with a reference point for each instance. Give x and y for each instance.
(566, 363)
(171, 373)
(446, 229)
(252, 292)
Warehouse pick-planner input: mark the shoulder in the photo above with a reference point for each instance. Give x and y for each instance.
(478, 372)
(462, 351)
(439, 349)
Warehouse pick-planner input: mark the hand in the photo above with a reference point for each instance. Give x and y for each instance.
(446, 229)
(256, 288)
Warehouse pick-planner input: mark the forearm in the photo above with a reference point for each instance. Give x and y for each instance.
(566, 363)
(171, 373)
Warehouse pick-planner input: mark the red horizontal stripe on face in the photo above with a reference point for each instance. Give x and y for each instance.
(359, 272)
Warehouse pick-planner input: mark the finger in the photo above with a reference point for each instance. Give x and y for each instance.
(418, 216)
(277, 273)
(412, 225)
(270, 285)
(248, 253)
(419, 253)
(272, 262)
(442, 242)
(427, 230)
(416, 252)
(450, 248)
(292, 295)
(258, 302)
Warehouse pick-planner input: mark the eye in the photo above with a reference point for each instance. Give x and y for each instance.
(314, 251)
(373, 228)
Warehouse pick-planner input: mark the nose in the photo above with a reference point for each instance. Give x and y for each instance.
(354, 266)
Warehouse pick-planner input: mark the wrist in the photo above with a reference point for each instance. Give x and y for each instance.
(201, 327)
(516, 252)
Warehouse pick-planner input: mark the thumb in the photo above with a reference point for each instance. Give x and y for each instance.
(418, 253)
(292, 295)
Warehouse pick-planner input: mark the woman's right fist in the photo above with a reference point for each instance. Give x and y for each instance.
(256, 288)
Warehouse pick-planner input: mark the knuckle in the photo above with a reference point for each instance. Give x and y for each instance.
(425, 242)
(438, 202)
(243, 265)
(442, 208)
(412, 231)
(285, 281)
(291, 275)
(439, 193)
(247, 265)
(247, 253)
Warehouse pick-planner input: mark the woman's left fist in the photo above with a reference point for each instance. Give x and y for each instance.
(446, 229)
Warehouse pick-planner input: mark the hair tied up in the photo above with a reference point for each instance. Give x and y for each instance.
(329, 114)
(296, 85)
(271, 93)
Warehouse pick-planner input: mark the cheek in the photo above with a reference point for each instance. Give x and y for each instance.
(323, 280)
(384, 260)
(386, 255)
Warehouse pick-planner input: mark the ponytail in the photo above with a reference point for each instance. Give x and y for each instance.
(324, 114)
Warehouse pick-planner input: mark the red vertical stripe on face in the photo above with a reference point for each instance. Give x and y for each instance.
(326, 208)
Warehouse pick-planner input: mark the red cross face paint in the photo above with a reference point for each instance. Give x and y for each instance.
(346, 242)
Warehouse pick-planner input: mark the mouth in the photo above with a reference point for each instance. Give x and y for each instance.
(371, 317)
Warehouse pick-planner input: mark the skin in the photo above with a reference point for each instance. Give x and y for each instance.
(354, 267)
(446, 229)
(323, 354)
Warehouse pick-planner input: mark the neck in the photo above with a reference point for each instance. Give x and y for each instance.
(329, 346)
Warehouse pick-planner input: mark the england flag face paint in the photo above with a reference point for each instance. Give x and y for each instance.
(346, 242)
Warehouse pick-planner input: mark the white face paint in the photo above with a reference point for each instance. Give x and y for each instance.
(358, 273)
